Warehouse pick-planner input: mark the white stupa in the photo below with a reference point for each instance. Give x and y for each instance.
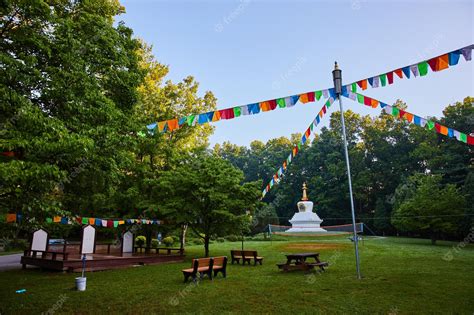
(305, 220)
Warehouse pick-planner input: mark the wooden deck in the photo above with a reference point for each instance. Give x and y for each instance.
(99, 261)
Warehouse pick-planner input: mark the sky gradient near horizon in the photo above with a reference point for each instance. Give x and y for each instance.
(248, 51)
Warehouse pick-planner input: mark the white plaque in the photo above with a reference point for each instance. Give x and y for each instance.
(40, 240)
(127, 242)
(88, 240)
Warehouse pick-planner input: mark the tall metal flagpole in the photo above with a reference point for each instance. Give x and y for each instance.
(337, 77)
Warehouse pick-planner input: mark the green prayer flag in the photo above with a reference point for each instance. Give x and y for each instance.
(85, 220)
(360, 98)
(311, 126)
(395, 111)
(116, 224)
(190, 119)
(383, 79)
(328, 104)
(354, 87)
(299, 146)
(281, 103)
(49, 220)
(318, 95)
(430, 124)
(463, 137)
(141, 134)
(237, 111)
(423, 68)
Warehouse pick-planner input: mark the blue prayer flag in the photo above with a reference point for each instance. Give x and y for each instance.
(406, 71)
(453, 57)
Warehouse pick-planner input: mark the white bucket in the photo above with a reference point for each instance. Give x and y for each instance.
(81, 283)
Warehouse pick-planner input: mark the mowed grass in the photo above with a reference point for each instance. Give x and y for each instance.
(400, 276)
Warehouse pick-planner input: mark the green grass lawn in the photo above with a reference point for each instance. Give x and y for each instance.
(401, 276)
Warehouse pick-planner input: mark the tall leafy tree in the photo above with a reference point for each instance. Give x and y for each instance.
(208, 195)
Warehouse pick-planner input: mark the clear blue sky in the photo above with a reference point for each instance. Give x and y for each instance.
(248, 51)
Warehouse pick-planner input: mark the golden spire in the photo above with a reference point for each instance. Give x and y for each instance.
(305, 197)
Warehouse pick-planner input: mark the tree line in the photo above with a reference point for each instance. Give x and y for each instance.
(406, 179)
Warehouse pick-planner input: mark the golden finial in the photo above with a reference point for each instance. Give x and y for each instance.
(305, 197)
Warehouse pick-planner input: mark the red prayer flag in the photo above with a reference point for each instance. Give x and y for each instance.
(79, 220)
(432, 62)
(308, 132)
(273, 104)
(438, 128)
(9, 154)
(390, 77)
(399, 72)
(367, 101)
(401, 113)
(470, 140)
(110, 223)
(324, 109)
(310, 96)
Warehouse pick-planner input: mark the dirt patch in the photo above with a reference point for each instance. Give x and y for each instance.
(314, 246)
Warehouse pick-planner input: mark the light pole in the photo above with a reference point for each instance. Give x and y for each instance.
(337, 77)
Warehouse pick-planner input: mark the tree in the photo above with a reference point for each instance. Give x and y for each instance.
(68, 82)
(427, 207)
(206, 193)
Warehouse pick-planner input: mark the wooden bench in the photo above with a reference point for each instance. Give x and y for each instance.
(206, 266)
(246, 256)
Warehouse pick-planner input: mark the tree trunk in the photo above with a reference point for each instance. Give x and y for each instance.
(206, 245)
(182, 240)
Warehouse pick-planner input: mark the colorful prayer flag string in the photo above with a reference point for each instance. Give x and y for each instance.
(412, 118)
(276, 178)
(244, 110)
(110, 223)
(436, 64)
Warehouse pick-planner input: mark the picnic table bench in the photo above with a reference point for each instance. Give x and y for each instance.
(246, 256)
(300, 262)
(206, 266)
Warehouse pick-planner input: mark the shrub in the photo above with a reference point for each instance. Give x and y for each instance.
(168, 241)
(140, 240)
(232, 238)
(198, 241)
(14, 244)
(220, 240)
(154, 243)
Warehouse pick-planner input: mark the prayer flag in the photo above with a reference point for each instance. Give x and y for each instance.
(406, 71)
(56, 219)
(318, 95)
(399, 73)
(11, 217)
(454, 57)
(423, 68)
(390, 77)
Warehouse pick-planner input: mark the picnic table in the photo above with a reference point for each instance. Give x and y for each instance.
(299, 262)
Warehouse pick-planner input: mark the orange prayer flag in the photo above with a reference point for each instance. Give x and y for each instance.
(11, 217)
(399, 73)
(409, 117)
(374, 103)
(304, 98)
(121, 222)
(363, 84)
(173, 124)
(265, 106)
(308, 132)
(216, 116)
(442, 62)
(443, 130)
(91, 221)
(321, 113)
(56, 219)
(284, 165)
